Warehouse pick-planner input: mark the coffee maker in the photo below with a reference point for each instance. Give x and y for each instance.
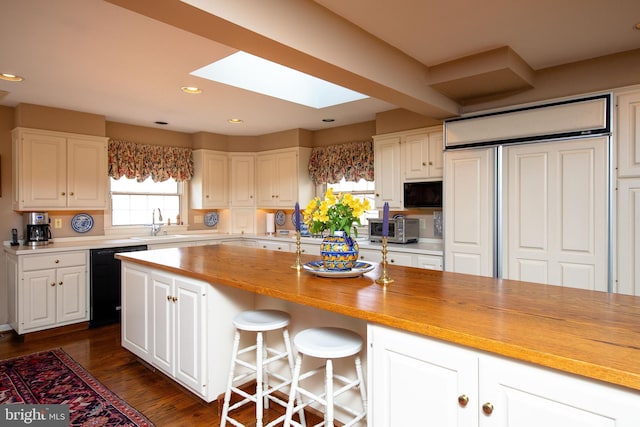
(37, 228)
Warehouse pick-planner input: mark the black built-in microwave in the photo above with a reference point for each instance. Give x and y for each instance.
(427, 194)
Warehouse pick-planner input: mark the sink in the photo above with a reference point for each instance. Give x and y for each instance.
(159, 237)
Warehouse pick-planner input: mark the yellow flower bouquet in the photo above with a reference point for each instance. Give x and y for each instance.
(334, 213)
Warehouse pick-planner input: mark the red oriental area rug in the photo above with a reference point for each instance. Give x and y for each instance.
(53, 377)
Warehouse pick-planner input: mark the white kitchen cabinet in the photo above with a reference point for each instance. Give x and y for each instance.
(627, 133)
(178, 316)
(242, 180)
(387, 172)
(136, 311)
(182, 326)
(429, 262)
(57, 170)
(422, 154)
(48, 290)
(273, 245)
(627, 280)
(282, 178)
(243, 220)
(406, 156)
(209, 186)
(414, 379)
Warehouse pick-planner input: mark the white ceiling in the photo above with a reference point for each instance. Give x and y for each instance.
(96, 57)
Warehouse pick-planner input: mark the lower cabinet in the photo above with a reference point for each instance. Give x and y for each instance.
(48, 290)
(181, 326)
(178, 317)
(273, 245)
(414, 379)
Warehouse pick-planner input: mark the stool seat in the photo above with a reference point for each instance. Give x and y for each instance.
(328, 343)
(261, 320)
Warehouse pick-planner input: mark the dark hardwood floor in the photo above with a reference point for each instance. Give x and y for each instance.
(99, 351)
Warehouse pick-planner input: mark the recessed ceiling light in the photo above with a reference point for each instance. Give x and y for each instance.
(191, 89)
(11, 77)
(235, 121)
(637, 26)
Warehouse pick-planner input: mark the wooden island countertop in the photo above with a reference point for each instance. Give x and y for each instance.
(588, 333)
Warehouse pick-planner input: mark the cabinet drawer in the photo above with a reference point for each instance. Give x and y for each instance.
(63, 259)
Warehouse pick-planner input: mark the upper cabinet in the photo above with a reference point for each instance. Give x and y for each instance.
(57, 170)
(400, 157)
(422, 155)
(209, 184)
(628, 134)
(282, 178)
(243, 186)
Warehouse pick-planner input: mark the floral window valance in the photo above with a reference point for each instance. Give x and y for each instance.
(352, 161)
(142, 161)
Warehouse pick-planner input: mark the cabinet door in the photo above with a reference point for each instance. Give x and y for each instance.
(38, 299)
(43, 171)
(87, 178)
(216, 191)
(287, 179)
(162, 322)
(387, 172)
(416, 156)
(400, 258)
(628, 134)
(136, 311)
(526, 396)
(469, 213)
(556, 213)
(190, 333)
(368, 255)
(436, 158)
(417, 381)
(71, 294)
(242, 180)
(243, 220)
(628, 237)
(265, 180)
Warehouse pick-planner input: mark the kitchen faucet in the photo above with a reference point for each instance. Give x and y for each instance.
(155, 228)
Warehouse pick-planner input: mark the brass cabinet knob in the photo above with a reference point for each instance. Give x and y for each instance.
(63, 193)
(207, 196)
(168, 297)
(392, 261)
(53, 284)
(424, 164)
(430, 163)
(60, 283)
(71, 193)
(487, 408)
(57, 261)
(463, 400)
(174, 299)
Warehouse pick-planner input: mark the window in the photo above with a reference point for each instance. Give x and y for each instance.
(361, 190)
(132, 202)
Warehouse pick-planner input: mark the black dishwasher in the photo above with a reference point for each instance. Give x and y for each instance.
(105, 285)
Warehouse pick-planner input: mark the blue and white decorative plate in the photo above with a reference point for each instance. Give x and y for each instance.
(211, 219)
(82, 223)
(280, 218)
(317, 268)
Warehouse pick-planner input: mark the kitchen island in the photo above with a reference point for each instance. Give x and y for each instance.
(590, 339)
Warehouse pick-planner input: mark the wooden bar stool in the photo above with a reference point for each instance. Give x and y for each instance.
(329, 344)
(260, 322)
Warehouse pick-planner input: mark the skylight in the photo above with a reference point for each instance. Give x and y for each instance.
(250, 72)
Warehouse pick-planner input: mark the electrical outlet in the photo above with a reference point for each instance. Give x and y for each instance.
(198, 219)
(423, 223)
(57, 223)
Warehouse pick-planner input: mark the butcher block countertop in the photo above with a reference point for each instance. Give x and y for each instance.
(588, 333)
